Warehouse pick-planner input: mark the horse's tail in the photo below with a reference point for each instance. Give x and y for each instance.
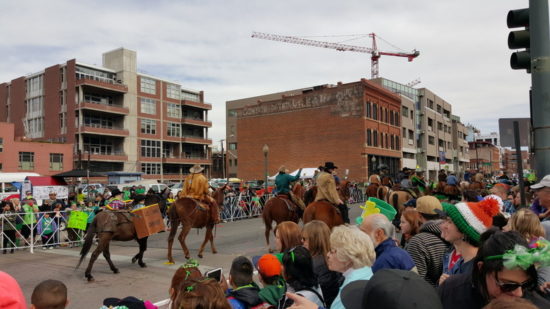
(308, 197)
(308, 215)
(88, 241)
(395, 201)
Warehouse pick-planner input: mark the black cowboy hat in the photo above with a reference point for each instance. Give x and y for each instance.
(129, 302)
(116, 192)
(330, 165)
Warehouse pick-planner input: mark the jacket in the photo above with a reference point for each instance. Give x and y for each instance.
(195, 186)
(247, 296)
(328, 280)
(8, 223)
(273, 293)
(282, 181)
(326, 188)
(388, 255)
(364, 273)
(427, 249)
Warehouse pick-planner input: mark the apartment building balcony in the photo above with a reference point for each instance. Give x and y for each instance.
(100, 82)
(197, 104)
(187, 159)
(196, 122)
(196, 140)
(107, 108)
(103, 130)
(108, 156)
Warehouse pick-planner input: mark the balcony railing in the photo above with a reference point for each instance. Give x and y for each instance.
(101, 126)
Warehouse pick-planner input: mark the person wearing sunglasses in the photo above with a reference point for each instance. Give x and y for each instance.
(494, 275)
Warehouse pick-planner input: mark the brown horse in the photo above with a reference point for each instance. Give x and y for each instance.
(278, 209)
(325, 211)
(372, 190)
(191, 214)
(106, 231)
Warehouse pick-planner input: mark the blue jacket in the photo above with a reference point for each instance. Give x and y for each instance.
(388, 255)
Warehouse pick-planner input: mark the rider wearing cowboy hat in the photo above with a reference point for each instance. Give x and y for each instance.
(196, 186)
(326, 190)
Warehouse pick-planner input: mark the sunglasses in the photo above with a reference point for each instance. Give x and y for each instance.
(507, 287)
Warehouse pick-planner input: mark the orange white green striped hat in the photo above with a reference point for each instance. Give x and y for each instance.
(472, 219)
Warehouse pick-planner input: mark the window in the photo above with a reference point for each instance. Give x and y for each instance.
(173, 91)
(430, 104)
(189, 96)
(391, 118)
(148, 126)
(439, 126)
(56, 161)
(369, 110)
(374, 112)
(392, 143)
(150, 148)
(412, 115)
(404, 133)
(232, 113)
(150, 168)
(173, 110)
(375, 139)
(148, 106)
(173, 129)
(35, 86)
(386, 120)
(397, 118)
(404, 110)
(397, 143)
(235, 162)
(63, 122)
(430, 124)
(26, 160)
(381, 139)
(148, 85)
(431, 140)
(387, 141)
(369, 138)
(1, 144)
(232, 146)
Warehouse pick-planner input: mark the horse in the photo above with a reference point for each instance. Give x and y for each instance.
(325, 211)
(372, 190)
(279, 209)
(102, 225)
(190, 214)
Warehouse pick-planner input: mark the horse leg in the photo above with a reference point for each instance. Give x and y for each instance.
(93, 257)
(173, 231)
(214, 251)
(107, 256)
(142, 248)
(267, 231)
(206, 239)
(183, 234)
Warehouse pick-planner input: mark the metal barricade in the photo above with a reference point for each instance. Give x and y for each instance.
(42, 232)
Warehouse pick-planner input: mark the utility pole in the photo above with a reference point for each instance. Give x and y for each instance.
(540, 81)
(223, 160)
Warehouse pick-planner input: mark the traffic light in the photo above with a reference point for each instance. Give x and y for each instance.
(519, 39)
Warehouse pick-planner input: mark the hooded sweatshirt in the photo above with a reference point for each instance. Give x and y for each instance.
(11, 296)
(273, 293)
(247, 296)
(427, 250)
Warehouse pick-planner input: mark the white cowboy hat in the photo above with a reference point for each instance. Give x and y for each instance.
(196, 169)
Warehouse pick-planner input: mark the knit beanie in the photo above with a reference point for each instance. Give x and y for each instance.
(472, 219)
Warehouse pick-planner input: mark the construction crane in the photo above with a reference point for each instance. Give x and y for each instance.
(375, 53)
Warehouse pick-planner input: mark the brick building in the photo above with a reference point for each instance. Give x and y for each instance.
(127, 121)
(510, 164)
(484, 157)
(355, 125)
(18, 155)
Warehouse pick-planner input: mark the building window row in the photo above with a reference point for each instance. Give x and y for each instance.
(26, 161)
(189, 96)
(148, 85)
(35, 86)
(150, 168)
(148, 106)
(150, 148)
(173, 110)
(56, 161)
(173, 91)
(173, 129)
(388, 141)
(382, 114)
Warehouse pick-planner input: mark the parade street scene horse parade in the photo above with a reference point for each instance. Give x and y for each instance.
(169, 155)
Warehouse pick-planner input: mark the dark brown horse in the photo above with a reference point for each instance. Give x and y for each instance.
(325, 211)
(106, 231)
(191, 214)
(372, 190)
(279, 209)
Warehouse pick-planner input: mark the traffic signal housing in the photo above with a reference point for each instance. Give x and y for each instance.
(519, 39)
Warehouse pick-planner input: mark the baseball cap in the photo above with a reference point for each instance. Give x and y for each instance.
(428, 204)
(391, 289)
(545, 182)
(268, 265)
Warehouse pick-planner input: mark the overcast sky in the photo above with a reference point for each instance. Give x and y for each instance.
(206, 45)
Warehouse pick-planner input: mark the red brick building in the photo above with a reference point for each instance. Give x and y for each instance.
(484, 157)
(510, 163)
(25, 156)
(355, 125)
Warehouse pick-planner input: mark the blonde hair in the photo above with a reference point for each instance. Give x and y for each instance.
(318, 236)
(527, 223)
(351, 244)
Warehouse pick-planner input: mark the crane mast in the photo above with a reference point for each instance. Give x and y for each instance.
(375, 53)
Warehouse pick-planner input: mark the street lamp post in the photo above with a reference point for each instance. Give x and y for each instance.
(265, 150)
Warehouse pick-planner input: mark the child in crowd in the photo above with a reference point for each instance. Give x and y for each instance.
(8, 226)
(244, 292)
(201, 293)
(269, 270)
(49, 294)
(46, 229)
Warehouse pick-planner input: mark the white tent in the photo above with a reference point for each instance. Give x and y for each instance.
(307, 173)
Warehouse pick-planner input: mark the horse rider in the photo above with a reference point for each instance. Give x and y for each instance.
(326, 190)
(116, 202)
(385, 178)
(282, 184)
(196, 186)
(451, 189)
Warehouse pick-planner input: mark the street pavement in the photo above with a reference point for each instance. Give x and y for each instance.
(232, 239)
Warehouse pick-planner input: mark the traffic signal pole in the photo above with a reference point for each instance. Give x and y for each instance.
(540, 81)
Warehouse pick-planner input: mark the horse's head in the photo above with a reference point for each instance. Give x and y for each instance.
(343, 190)
(218, 195)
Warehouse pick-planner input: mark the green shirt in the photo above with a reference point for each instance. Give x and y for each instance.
(47, 226)
(273, 293)
(29, 216)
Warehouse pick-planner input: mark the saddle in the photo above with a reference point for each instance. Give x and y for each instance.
(201, 205)
(289, 204)
(111, 224)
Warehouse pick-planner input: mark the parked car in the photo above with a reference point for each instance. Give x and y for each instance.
(175, 188)
(254, 184)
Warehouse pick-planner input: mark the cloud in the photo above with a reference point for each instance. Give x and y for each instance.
(206, 45)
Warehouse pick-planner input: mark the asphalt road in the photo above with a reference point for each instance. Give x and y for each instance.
(243, 237)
